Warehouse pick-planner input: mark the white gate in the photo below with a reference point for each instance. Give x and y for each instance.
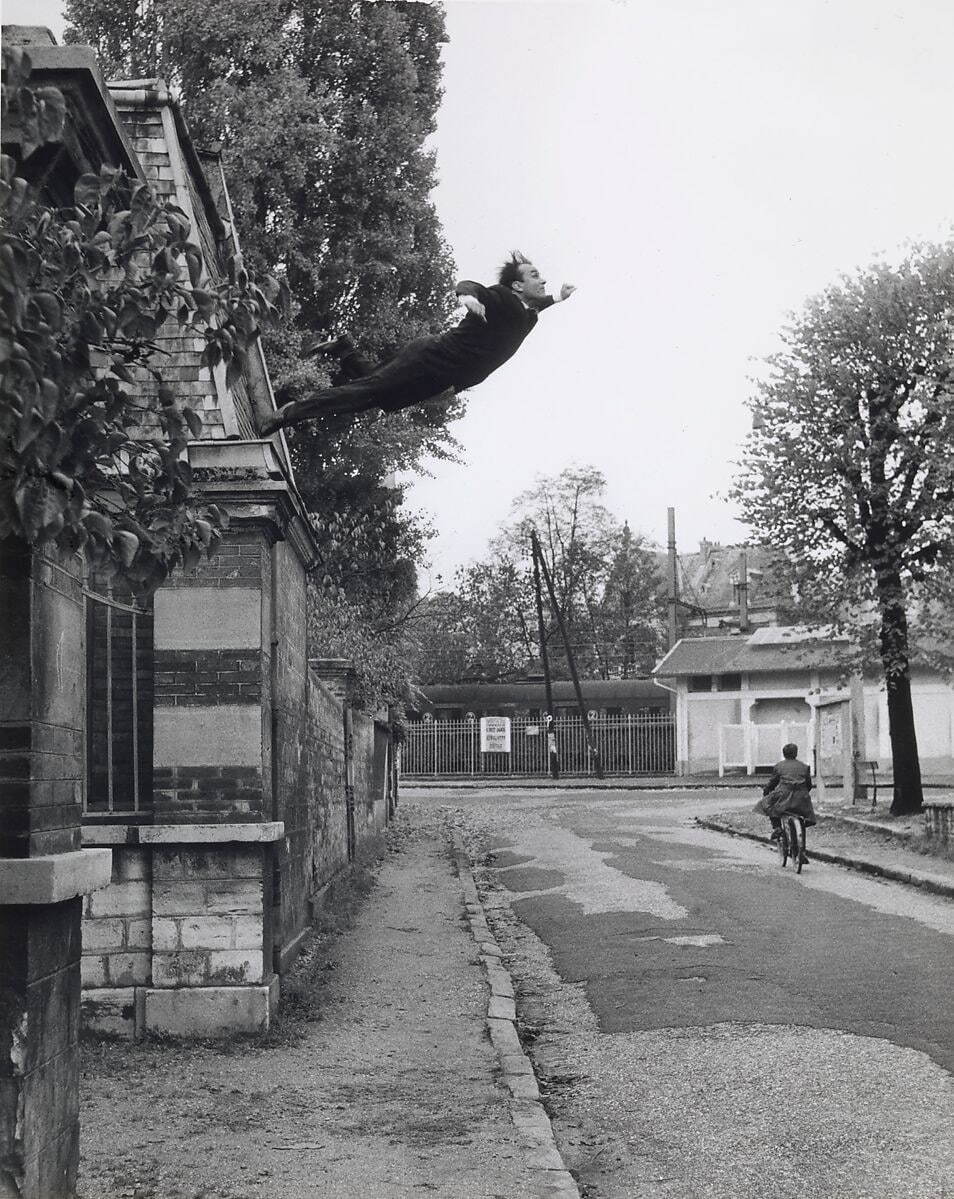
(756, 745)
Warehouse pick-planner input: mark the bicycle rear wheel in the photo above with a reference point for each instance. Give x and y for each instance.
(782, 845)
(797, 828)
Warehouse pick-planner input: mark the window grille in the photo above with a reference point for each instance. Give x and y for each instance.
(119, 705)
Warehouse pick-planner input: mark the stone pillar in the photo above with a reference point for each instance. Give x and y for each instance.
(338, 676)
(43, 870)
(211, 929)
(230, 685)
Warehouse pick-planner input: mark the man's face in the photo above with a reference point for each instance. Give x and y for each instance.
(532, 286)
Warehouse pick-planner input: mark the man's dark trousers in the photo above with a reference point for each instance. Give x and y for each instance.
(408, 378)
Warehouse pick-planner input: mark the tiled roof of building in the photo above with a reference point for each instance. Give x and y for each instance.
(767, 651)
(701, 655)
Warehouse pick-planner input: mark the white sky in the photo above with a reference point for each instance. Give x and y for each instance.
(698, 168)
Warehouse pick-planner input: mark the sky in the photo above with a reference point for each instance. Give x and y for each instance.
(699, 169)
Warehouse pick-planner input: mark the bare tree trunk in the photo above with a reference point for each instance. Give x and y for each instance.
(905, 765)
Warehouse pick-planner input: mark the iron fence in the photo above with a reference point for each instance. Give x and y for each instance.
(635, 744)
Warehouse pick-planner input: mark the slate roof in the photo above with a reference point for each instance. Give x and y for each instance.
(709, 578)
(154, 125)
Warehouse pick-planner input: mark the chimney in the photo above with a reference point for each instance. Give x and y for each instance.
(673, 580)
(743, 593)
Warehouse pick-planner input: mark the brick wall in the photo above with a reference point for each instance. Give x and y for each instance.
(212, 711)
(197, 677)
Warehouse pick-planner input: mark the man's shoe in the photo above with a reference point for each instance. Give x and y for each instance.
(318, 345)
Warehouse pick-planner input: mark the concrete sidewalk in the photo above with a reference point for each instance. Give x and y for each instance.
(860, 840)
(402, 1073)
(638, 782)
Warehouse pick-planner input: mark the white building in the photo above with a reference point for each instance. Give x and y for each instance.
(740, 698)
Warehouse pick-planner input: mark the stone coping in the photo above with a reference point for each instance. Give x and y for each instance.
(211, 834)
(253, 832)
(54, 878)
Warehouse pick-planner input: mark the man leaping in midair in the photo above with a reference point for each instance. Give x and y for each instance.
(498, 318)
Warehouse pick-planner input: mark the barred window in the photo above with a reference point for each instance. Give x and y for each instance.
(119, 704)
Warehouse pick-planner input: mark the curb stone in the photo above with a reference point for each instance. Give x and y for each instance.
(908, 877)
(526, 1110)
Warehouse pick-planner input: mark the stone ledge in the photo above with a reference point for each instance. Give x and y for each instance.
(211, 1011)
(211, 834)
(110, 834)
(55, 877)
(116, 1011)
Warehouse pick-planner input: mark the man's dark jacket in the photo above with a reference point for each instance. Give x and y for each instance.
(787, 791)
(471, 351)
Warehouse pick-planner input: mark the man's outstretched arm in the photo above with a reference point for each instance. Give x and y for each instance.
(474, 297)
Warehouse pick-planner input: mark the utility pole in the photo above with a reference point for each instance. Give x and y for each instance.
(553, 758)
(744, 592)
(570, 661)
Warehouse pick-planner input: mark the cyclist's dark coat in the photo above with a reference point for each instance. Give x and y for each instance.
(787, 790)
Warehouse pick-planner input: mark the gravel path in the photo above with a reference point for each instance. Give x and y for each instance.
(381, 1082)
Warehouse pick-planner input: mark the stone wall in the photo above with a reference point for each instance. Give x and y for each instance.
(117, 926)
(370, 757)
(42, 702)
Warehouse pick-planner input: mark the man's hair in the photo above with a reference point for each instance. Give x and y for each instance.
(790, 750)
(510, 271)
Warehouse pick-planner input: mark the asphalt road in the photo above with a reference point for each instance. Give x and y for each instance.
(709, 1024)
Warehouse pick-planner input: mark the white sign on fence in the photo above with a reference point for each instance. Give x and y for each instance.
(495, 734)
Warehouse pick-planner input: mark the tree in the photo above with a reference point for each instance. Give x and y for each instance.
(91, 440)
(850, 468)
(322, 109)
(632, 611)
(604, 578)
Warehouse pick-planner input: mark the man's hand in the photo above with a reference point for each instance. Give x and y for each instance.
(566, 291)
(472, 304)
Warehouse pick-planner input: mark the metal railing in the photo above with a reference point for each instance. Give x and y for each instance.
(628, 745)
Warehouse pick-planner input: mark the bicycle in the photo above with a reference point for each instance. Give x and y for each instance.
(791, 842)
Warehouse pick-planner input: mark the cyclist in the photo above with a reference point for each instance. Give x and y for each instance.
(787, 791)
